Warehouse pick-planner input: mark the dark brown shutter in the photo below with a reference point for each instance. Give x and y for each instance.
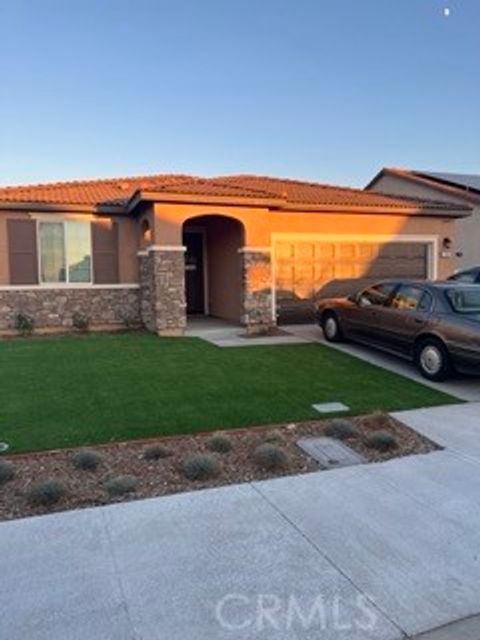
(105, 251)
(22, 251)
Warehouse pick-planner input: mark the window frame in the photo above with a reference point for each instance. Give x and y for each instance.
(64, 222)
(425, 293)
(394, 285)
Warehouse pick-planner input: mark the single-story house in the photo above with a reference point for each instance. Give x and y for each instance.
(452, 188)
(253, 250)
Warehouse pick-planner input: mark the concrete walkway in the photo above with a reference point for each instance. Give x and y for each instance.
(380, 551)
(463, 388)
(226, 334)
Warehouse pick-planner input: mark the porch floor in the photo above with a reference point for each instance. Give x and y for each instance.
(223, 333)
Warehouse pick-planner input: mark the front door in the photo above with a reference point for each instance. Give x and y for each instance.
(194, 284)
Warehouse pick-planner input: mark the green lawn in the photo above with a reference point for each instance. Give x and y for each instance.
(58, 392)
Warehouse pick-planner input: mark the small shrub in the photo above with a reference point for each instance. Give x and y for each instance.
(156, 452)
(341, 429)
(46, 493)
(7, 471)
(129, 320)
(120, 485)
(80, 321)
(273, 436)
(381, 440)
(86, 460)
(24, 324)
(269, 457)
(220, 443)
(201, 467)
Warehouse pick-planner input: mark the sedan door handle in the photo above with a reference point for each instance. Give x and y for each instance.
(418, 321)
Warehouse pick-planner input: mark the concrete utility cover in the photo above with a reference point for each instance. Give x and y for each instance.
(330, 407)
(330, 453)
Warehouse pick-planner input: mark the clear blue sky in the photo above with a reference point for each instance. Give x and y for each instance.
(325, 90)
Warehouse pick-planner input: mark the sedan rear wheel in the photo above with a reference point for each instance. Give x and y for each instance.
(331, 328)
(432, 360)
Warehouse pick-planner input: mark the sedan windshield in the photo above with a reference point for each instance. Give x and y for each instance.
(464, 300)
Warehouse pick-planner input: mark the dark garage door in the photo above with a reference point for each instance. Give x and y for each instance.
(307, 270)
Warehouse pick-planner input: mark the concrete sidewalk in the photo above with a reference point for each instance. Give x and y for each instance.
(378, 552)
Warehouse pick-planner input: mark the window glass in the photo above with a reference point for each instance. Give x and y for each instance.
(377, 295)
(78, 252)
(464, 300)
(466, 276)
(52, 251)
(409, 298)
(65, 252)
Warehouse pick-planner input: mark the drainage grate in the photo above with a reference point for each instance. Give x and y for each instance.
(330, 453)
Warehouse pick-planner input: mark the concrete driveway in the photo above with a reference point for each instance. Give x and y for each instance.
(463, 388)
(381, 551)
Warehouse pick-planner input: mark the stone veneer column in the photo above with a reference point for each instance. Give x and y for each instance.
(162, 290)
(257, 290)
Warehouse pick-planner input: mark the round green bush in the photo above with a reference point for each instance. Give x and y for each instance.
(201, 467)
(7, 471)
(156, 452)
(120, 485)
(46, 493)
(86, 460)
(381, 441)
(269, 457)
(341, 429)
(220, 443)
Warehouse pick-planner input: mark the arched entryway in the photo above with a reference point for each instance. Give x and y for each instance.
(213, 266)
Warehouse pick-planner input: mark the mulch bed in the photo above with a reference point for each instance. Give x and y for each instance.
(165, 476)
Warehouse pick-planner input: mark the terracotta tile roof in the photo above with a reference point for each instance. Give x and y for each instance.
(117, 192)
(112, 191)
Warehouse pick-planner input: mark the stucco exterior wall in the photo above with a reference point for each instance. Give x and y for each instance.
(261, 226)
(467, 229)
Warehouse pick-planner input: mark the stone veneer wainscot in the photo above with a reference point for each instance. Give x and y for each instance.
(106, 306)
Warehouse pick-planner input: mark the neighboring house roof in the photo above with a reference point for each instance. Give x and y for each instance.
(462, 185)
(123, 194)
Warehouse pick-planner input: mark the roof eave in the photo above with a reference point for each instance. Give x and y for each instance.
(191, 198)
(56, 207)
(441, 212)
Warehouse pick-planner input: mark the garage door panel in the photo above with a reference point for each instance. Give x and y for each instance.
(307, 270)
